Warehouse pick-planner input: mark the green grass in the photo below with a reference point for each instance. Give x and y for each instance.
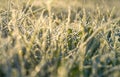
(79, 38)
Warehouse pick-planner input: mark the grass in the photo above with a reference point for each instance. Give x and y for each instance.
(79, 38)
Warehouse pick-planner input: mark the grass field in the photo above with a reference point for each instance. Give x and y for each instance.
(59, 38)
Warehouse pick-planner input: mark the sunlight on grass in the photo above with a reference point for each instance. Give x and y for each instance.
(59, 38)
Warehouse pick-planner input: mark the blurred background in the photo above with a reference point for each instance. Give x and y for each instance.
(62, 5)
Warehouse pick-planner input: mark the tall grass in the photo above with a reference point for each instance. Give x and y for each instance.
(45, 40)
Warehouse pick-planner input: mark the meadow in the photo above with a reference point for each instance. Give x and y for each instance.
(59, 38)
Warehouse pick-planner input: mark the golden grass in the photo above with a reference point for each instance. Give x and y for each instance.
(65, 38)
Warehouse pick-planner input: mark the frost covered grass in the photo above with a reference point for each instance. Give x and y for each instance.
(59, 38)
